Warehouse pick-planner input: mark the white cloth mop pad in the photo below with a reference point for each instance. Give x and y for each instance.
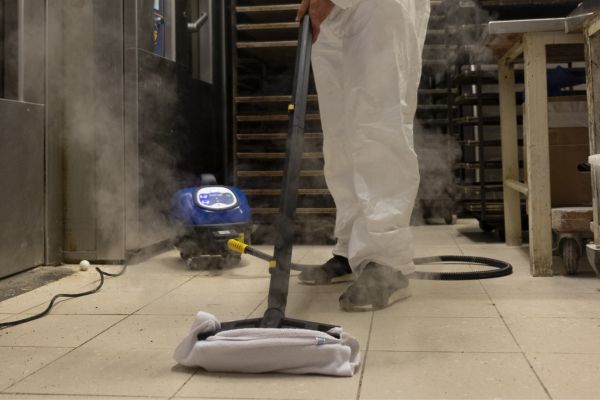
(261, 350)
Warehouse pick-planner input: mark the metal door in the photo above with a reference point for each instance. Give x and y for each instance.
(22, 116)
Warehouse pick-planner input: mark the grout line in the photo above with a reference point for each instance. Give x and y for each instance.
(444, 351)
(397, 317)
(64, 355)
(260, 303)
(99, 396)
(538, 377)
(364, 360)
(455, 241)
(36, 347)
(74, 314)
(185, 383)
(305, 255)
(47, 299)
(162, 296)
(238, 398)
(372, 351)
(83, 288)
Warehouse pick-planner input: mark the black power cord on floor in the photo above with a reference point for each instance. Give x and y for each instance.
(8, 324)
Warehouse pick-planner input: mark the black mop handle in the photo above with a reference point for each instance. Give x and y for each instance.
(280, 271)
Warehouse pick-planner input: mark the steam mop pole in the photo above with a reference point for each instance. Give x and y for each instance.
(280, 275)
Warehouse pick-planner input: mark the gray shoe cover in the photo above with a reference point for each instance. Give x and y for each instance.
(376, 288)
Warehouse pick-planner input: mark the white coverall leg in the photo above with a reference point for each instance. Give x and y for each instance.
(367, 63)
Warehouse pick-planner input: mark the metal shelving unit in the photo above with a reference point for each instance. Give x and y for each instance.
(265, 42)
(434, 112)
(476, 124)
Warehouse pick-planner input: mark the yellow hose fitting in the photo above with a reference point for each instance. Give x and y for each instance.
(272, 264)
(237, 246)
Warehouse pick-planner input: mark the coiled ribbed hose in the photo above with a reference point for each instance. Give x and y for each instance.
(500, 268)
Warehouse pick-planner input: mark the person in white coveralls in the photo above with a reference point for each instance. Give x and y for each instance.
(367, 61)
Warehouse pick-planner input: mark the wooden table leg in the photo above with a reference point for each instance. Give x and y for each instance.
(510, 152)
(537, 149)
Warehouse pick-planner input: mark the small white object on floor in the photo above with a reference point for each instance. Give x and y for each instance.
(84, 265)
(261, 350)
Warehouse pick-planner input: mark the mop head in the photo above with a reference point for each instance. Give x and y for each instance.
(261, 350)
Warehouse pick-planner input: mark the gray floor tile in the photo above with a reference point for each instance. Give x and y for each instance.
(569, 376)
(270, 386)
(93, 371)
(19, 362)
(449, 376)
(144, 332)
(447, 341)
(123, 295)
(71, 397)
(548, 305)
(223, 305)
(57, 331)
(556, 285)
(442, 305)
(440, 334)
(70, 284)
(556, 335)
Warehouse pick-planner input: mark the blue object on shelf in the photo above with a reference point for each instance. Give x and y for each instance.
(158, 30)
(561, 78)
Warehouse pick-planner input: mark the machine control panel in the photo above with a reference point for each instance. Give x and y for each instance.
(216, 198)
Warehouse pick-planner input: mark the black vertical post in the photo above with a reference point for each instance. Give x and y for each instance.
(280, 275)
(480, 126)
(2, 39)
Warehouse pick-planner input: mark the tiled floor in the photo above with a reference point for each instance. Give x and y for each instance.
(514, 338)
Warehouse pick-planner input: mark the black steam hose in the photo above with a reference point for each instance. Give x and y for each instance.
(498, 268)
(103, 274)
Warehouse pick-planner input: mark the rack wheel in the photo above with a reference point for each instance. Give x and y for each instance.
(232, 260)
(501, 233)
(484, 226)
(451, 219)
(570, 255)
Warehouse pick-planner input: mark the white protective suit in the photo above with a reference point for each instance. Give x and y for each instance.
(367, 63)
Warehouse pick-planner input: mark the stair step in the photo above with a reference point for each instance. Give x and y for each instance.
(265, 211)
(277, 173)
(274, 136)
(275, 156)
(277, 192)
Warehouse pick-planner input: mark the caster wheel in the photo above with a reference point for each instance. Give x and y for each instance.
(501, 233)
(205, 263)
(450, 219)
(231, 261)
(570, 256)
(484, 226)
